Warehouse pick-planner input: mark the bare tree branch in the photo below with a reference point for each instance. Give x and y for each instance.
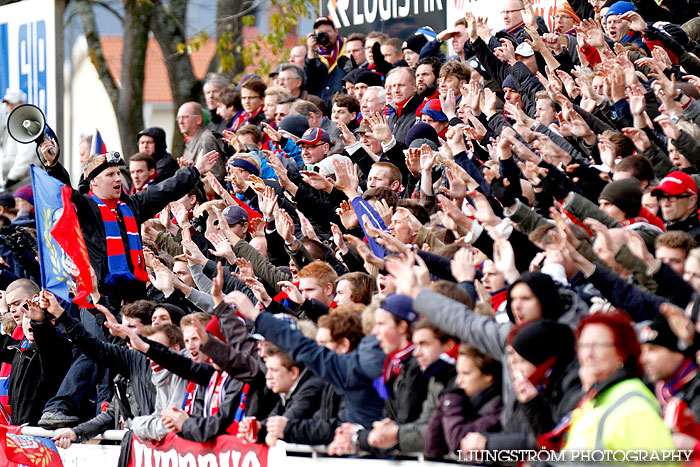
(109, 8)
(89, 25)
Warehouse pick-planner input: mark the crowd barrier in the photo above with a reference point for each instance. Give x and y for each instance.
(286, 455)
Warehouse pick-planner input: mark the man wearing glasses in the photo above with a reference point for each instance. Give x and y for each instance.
(199, 139)
(292, 77)
(678, 197)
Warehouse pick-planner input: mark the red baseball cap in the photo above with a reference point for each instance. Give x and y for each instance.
(676, 183)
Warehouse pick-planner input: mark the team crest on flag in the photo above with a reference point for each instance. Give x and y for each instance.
(20, 450)
(63, 254)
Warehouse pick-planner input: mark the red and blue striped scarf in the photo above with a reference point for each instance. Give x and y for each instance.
(684, 374)
(329, 57)
(116, 256)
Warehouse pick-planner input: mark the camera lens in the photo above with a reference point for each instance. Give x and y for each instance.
(322, 38)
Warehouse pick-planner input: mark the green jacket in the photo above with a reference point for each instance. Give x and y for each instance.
(268, 274)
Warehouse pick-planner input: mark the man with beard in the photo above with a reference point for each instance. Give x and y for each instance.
(427, 73)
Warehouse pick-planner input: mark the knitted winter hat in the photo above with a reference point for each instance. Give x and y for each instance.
(566, 9)
(422, 131)
(619, 9)
(626, 194)
(415, 43)
(529, 341)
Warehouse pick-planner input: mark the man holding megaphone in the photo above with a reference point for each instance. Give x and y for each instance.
(15, 158)
(105, 210)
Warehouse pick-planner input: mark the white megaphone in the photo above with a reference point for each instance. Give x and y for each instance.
(27, 124)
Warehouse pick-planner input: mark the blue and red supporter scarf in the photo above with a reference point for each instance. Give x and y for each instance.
(24, 345)
(188, 401)
(684, 374)
(243, 118)
(116, 255)
(329, 57)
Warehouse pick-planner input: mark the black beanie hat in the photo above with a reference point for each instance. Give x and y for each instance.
(538, 341)
(626, 194)
(175, 312)
(369, 78)
(658, 332)
(351, 76)
(415, 43)
(294, 124)
(546, 291)
(422, 130)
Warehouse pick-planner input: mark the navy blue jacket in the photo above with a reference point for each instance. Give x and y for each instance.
(351, 374)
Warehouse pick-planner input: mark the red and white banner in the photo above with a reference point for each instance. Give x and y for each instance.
(173, 451)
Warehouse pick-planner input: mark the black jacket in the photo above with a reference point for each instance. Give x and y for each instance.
(144, 205)
(407, 391)
(304, 400)
(319, 429)
(689, 225)
(37, 371)
(401, 124)
(135, 391)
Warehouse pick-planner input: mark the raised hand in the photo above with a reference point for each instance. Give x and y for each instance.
(219, 189)
(207, 162)
(180, 213)
(638, 137)
(338, 238)
(222, 247)
(347, 215)
(380, 127)
(273, 134)
(292, 292)
(482, 209)
(454, 212)
(317, 180)
(163, 279)
(347, 136)
(384, 211)
(427, 158)
(48, 302)
(346, 179)
(245, 270)
(268, 202)
(307, 229)
(217, 285)
(256, 183)
(462, 265)
(192, 253)
(413, 161)
(285, 226)
(281, 172)
(258, 290)
(231, 138)
(449, 104)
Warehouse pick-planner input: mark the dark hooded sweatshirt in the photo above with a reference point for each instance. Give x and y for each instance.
(166, 166)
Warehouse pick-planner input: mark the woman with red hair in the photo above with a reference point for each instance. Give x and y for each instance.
(617, 411)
